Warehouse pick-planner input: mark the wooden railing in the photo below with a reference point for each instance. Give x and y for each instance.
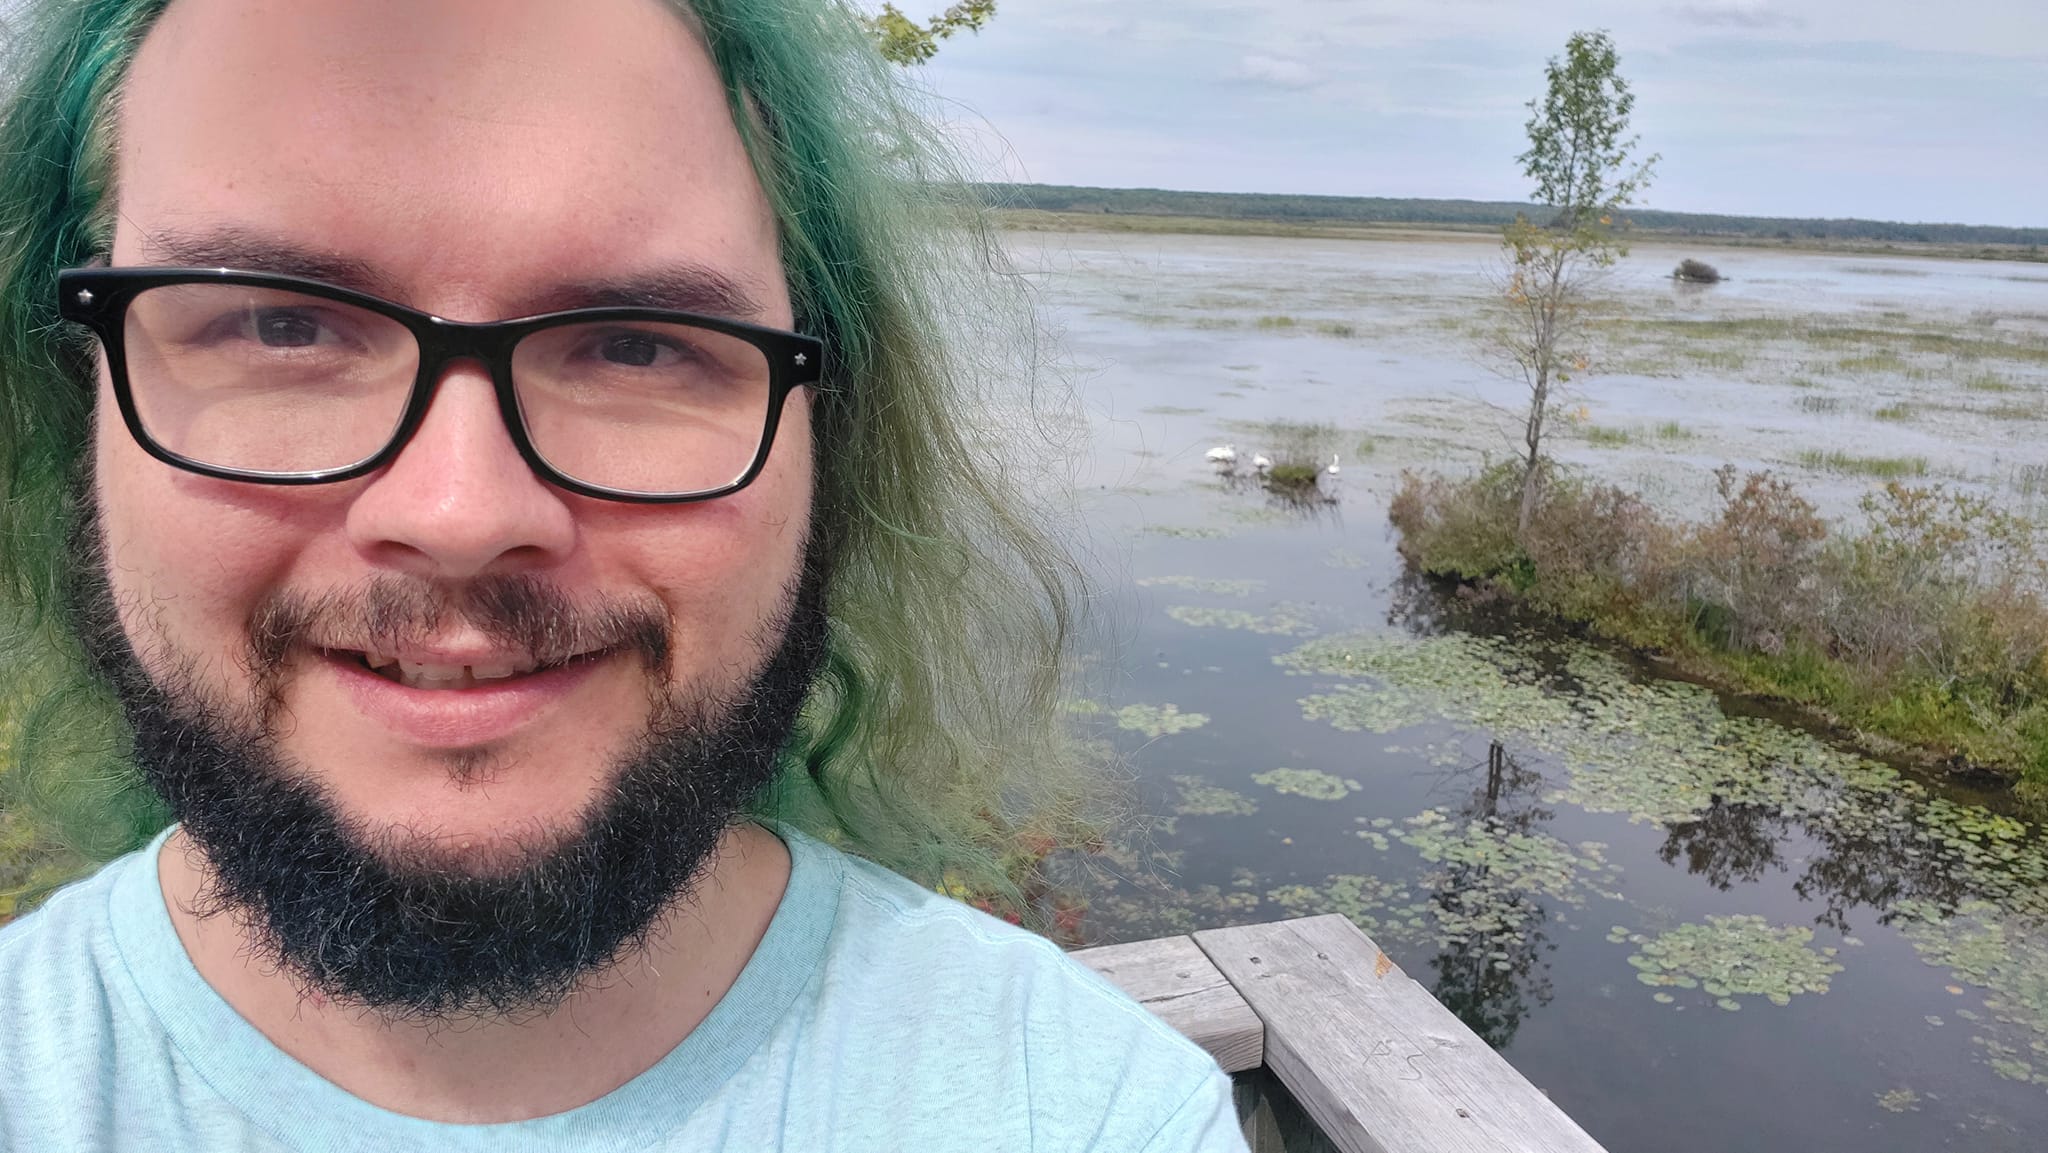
(1376, 1061)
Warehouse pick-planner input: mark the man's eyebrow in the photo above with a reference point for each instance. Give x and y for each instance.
(251, 252)
(685, 287)
(678, 287)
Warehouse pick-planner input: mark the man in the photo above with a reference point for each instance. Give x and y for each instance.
(476, 424)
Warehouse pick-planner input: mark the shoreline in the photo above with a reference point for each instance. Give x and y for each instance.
(1041, 220)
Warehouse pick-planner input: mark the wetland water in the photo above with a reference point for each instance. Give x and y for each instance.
(1694, 925)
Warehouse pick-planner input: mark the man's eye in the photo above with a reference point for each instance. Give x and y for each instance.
(286, 329)
(634, 350)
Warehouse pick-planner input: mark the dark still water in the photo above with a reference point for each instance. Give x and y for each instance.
(1696, 927)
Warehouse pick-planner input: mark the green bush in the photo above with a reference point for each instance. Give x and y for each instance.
(1927, 625)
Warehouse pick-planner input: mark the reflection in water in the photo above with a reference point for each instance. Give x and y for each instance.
(1729, 843)
(1490, 978)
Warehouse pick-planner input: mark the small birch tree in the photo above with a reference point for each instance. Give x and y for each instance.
(1579, 158)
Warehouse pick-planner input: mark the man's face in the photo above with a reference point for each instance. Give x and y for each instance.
(477, 160)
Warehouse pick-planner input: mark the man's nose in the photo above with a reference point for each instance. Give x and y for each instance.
(459, 501)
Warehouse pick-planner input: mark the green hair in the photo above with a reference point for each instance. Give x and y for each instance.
(933, 742)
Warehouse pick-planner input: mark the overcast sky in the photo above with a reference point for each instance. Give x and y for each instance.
(1933, 110)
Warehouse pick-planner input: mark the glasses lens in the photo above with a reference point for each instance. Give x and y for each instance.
(265, 380)
(643, 407)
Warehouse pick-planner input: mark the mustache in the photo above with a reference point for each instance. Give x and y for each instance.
(391, 612)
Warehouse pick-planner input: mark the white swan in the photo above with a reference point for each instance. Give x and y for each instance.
(1260, 462)
(1221, 454)
(1332, 470)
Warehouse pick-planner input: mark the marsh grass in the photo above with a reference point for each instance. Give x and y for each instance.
(1881, 467)
(1276, 322)
(1673, 430)
(1989, 382)
(1820, 404)
(2014, 412)
(1337, 328)
(2029, 481)
(1606, 437)
(1880, 362)
(1895, 412)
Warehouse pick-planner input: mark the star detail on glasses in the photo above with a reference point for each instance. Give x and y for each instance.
(801, 358)
(85, 296)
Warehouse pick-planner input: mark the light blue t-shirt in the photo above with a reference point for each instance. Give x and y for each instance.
(874, 1015)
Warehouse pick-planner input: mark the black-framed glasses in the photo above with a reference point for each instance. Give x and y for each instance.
(277, 380)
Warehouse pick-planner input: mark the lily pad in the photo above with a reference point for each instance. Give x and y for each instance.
(1199, 798)
(1310, 783)
(1737, 956)
(1284, 620)
(1157, 721)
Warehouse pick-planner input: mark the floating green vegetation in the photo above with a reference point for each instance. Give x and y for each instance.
(1730, 957)
(1276, 322)
(1673, 430)
(1224, 588)
(2005, 954)
(1606, 437)
(1901, 1100)
(1172, 410)
(1157, 721)
(1659, 751)
(1284, 620)
(1384, 909)
(1187, 531)
(1337, 328)
(1492, 877)
(1898, 411)
(1989, 382)
(1881, 467)
(1310, 783)
(1199, 798)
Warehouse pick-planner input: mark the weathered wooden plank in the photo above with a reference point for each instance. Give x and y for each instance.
(1377, 1061)
(1178, 982)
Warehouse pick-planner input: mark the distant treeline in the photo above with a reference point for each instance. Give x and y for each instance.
(1474, 213)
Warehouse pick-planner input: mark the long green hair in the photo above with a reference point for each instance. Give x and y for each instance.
(933, 742)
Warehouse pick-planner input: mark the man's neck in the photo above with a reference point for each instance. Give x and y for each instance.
(603, 1036)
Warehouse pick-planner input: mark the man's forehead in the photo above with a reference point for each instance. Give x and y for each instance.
(467, 144)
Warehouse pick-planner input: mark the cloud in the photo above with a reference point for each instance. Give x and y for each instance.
(1278, 72)
(1736, 14)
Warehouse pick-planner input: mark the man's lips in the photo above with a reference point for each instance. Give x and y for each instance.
(463, 710)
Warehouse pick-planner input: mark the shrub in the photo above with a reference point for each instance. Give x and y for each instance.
(1462, 529)
(1696, 272)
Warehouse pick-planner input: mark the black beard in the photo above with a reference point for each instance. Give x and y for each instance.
(396, 929)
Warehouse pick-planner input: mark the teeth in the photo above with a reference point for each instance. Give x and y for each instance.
(419, 675)
(425, 676)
